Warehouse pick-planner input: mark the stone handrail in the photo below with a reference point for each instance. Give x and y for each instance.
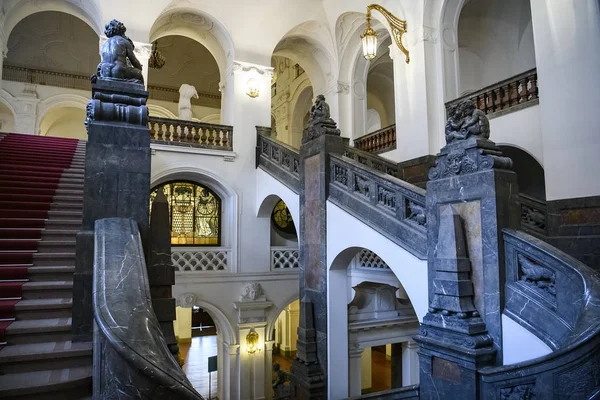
(403, 393)
(379, 141)
(512, 94)
(557, 298)
(131, 357)
(389, 205)
(190, 133)
(373, 161)
(278, 159)
(82, 82)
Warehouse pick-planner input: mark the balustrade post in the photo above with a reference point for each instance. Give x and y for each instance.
(523, 93)
(533, 91)
(471, 196)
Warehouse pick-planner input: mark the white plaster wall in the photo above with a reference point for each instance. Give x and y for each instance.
(521, 129)
(267, 186)
(518, 344)
(64, 122)
(409, 270)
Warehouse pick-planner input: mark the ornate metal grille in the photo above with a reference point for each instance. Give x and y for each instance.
(194, 212)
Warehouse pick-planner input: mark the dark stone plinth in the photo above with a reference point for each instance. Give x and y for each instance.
(474, 177)
(161, 273)
(453, 339)
(307, 379)
(117, 178)
(396, 362)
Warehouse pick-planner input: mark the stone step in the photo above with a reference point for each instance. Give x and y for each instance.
(74, 193)
(39, 331)
(43, 308)
(57, 246)
(59, 234)
(55, 384)
(54, 259)
(65, 215)
(47, 289)
(70, 186)
(70, 179)
(56, 273)
(43, 356)
(62, 224)
(67, 207)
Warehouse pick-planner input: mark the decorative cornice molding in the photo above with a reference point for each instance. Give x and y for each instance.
(142, 51)
(262, 70)
(423, 34)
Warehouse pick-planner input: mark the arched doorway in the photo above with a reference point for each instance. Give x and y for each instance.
(364, 291)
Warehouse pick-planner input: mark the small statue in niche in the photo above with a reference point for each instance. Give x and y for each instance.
(186, 92)
(465, 120)
(118, 59)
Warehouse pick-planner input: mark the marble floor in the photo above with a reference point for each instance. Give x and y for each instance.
(196, 356)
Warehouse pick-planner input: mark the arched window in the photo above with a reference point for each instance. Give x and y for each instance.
(194, 212)
(282, 220)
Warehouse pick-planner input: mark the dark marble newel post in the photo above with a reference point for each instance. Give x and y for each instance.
(321, 138)
(117, 166)
(471, 196)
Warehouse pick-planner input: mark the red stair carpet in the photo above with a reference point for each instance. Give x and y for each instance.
(30, 171)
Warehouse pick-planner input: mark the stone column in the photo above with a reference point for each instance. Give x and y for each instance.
(410, 364)
(355, 369)
(566, 36)
(268, 368)
(321, 138)
(3, 51)
(252, 316)
(397, 361)
(117, 179)
(293, 321)
(229, 380)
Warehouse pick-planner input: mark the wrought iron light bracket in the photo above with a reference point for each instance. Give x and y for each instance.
(397, 25)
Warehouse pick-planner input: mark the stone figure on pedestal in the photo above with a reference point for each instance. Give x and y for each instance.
(465, 120)
(118, 59)
(186, 92)
(320, 121)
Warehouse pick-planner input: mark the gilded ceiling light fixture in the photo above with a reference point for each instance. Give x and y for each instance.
(369, 37)
(157, 60)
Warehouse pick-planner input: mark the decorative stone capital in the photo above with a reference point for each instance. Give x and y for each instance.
(186, 300)
(423, 34)
(373, 301)
(118, 102)
(142, 51)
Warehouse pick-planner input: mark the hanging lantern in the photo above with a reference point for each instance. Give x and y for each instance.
(369, 41)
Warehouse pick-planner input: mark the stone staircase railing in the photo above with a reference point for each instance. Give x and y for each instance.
(131, 357)
(278, 159)
(190, 133)
(557, 298)
(380, 141)
(391, 206)
(285, 258)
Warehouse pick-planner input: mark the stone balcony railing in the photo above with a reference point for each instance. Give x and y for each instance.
(190, 133)
(506, 96)
(285, 258)
(205, 259)
(379, 141)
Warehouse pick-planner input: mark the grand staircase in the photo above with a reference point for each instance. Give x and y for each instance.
(41, 202)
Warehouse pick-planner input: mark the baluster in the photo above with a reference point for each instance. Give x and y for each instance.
(211, 136)
(497, 100)
(203, 137)
(533, 90)
(161, 131)
(225, 138)
(505, 96)
(174, 130)
(196, 135)
(514, 95)
(523, 93)
(480, 102)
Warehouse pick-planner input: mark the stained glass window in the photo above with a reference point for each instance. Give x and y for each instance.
(282, 219)
(195, 214)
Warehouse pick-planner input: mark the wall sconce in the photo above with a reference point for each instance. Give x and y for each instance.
(252, 88)
(369, 37)
(252, 341)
